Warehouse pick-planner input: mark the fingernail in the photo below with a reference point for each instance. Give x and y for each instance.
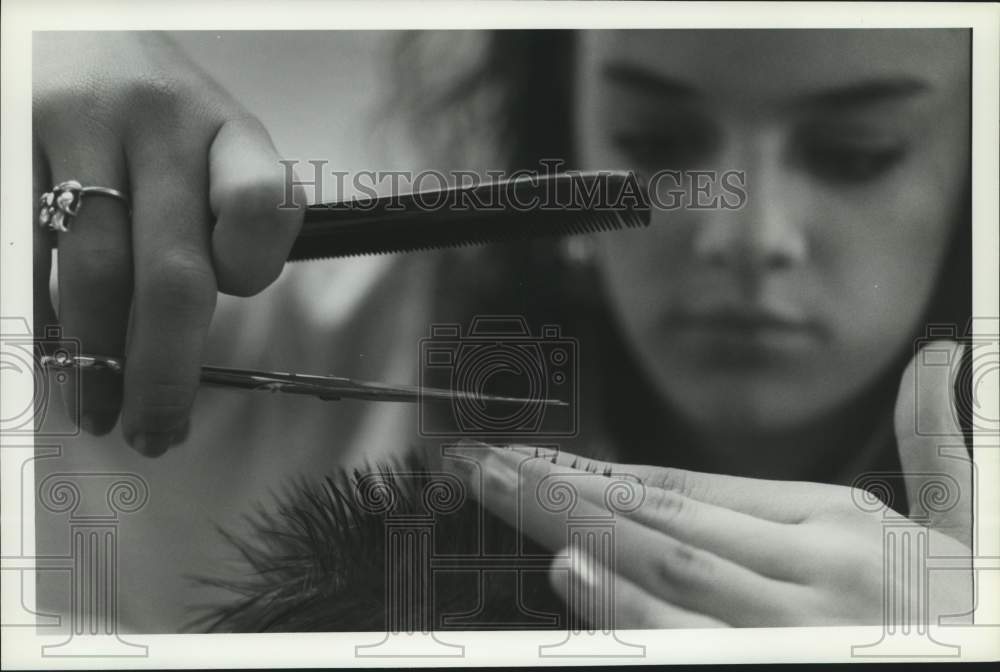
(154, 444)
(98, 424)
(93, 399)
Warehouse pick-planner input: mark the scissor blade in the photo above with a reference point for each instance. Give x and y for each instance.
(330, 388)
(336, 387)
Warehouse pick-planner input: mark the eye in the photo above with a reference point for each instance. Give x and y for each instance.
(849, 160)
(678, 148)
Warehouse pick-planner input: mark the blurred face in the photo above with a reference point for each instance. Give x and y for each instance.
(854, 146)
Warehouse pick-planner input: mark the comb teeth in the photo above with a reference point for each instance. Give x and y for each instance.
(338, 231)
(506, 228)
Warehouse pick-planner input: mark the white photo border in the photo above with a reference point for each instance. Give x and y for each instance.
(22, 647)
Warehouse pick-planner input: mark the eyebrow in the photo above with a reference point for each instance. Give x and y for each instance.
(634, 77)
(867, 93)
(855, 94)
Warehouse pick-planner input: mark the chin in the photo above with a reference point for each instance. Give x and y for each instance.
(740, 404)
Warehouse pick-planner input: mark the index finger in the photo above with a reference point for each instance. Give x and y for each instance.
(774, 500)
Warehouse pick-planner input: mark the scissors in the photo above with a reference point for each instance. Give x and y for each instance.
(327, 388)
(392, 224)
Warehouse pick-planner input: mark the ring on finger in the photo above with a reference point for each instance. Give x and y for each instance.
(63, 202)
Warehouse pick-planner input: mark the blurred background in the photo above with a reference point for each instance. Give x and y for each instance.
(324, 96)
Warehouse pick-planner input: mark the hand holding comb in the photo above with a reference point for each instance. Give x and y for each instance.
(519, 209)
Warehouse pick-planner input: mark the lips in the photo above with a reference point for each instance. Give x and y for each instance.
(744, 320)
(746, 325)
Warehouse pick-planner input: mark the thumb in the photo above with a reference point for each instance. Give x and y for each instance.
(936, 465)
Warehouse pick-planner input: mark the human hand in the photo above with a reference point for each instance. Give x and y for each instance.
(697, 550)
(129, 111)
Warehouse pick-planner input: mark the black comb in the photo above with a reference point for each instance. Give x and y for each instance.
(528, 207)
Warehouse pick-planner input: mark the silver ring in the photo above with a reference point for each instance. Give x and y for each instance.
(65, 199)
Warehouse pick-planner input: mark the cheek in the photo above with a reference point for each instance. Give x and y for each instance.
(644, 272)
(874, 261)
(880, 255)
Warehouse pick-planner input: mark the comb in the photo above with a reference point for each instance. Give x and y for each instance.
(560, 204)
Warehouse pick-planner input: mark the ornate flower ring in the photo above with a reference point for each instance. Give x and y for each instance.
(65, 200)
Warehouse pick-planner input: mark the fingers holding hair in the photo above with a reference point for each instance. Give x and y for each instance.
(778, 501)
(674, 571)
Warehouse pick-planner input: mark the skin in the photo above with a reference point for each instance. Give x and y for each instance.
(129, 111)
(852, 260)
(697, 550)
(850, 203)
(842, 235)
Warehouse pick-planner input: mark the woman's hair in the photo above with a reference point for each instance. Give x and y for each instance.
(400, 546)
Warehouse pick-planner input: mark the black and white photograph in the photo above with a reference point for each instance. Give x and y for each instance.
(431, 338)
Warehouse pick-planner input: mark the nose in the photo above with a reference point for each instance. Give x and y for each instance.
(768, 232)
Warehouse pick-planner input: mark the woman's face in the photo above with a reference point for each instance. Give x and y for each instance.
(854, 147)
